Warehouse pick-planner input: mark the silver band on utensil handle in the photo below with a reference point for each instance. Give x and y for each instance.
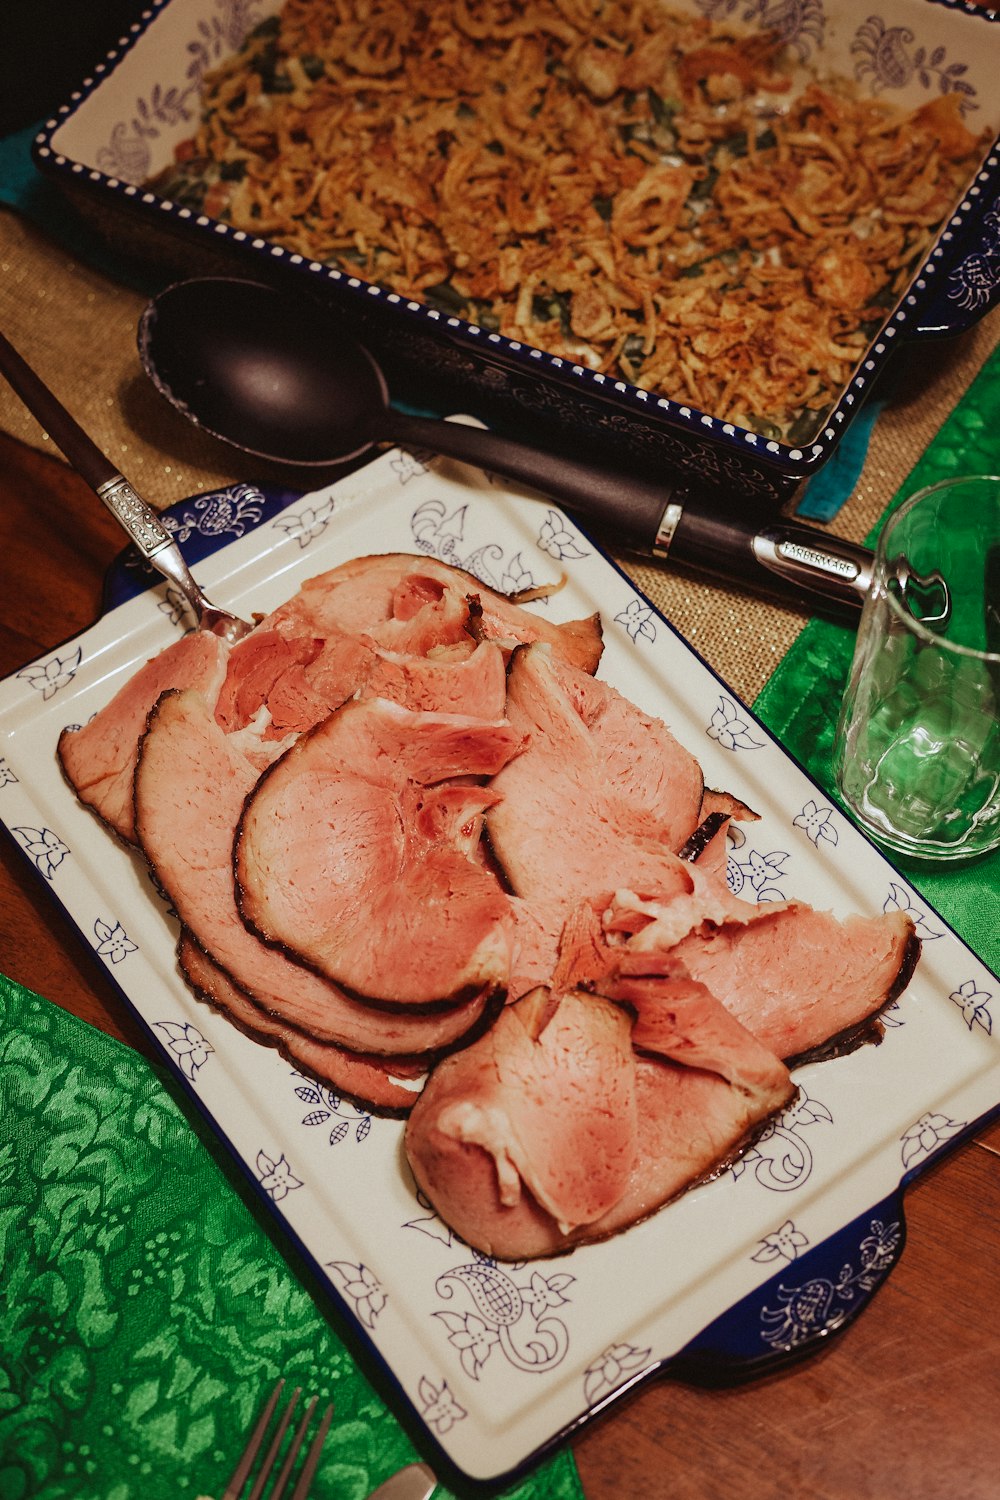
(666, 528)
(152, 538)
(142, 524)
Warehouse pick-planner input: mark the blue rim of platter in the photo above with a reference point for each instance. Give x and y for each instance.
(957, 284)
(815, 1293)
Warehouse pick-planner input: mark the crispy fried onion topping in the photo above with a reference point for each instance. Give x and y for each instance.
(646, 193)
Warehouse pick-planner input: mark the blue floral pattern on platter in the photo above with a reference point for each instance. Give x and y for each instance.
(49, 676)
(43, 847)
(340, 1119)
(188, 1047)
(974, 1004)
(365, 1292)
(779, 1159)
(836, 1280)
(822, 1305)
(486, 1332)
(515, 1318)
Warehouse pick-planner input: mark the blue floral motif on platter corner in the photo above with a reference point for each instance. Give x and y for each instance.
(515, 1318)
(780, 1318)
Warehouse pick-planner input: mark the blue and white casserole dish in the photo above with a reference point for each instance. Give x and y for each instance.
(122, 127)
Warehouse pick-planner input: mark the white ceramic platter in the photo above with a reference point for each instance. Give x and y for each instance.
(500, 1361)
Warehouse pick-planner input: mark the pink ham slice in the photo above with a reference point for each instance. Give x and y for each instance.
(414, 604)
(99, 759)
(191, 784)
(805, 982)
(492, 1150)
(384, 1087)
(352, 854)
(598, 799)
(303, 660)
(518, 1177)
(300, 680)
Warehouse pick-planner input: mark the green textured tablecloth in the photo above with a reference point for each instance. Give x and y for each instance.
(144, 1312)
(801, 701)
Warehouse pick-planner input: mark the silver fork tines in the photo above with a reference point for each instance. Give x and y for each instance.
(234, 1489)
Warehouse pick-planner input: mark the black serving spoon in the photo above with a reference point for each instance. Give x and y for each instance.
(278, 377)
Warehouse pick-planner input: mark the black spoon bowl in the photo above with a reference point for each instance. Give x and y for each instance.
(267, 374)
(279, 378)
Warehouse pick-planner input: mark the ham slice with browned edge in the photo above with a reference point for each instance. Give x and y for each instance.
(415, 604)
(353, 854)
(552, 1130)
(806, 983)
(355, 623)
(313, 803)
(99, 759)
(381, 1085)
(190, 786)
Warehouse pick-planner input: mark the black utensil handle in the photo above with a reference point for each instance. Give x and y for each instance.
(785, 560)
(628, 508)
(83, 453)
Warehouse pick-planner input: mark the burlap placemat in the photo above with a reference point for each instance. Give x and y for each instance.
(78, 330)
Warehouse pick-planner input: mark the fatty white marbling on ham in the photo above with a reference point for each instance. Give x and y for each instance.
(567, 1121)
(415, 845)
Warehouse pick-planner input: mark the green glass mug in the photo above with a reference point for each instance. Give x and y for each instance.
(917, 751)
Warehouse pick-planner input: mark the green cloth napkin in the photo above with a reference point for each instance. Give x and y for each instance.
(801, 701)
(145, 1311)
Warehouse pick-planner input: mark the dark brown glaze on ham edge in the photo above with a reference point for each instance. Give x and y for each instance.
(190, 786)
(806, 983)
(383, 1086)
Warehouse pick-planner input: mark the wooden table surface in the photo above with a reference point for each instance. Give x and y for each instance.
(903, 1405)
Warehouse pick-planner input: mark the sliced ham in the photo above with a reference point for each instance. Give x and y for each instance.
(806, 983)
(191, 784)
(573, 817)
(305, 659)
(380, 1085)
(313, 803)
(412, 603)
(803, 981)
(655, 781)
(499, 1097)
(99, 759)
(352, 855)
(299, 680)
(469, 680)
(681, 1020)
(517, 1176)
